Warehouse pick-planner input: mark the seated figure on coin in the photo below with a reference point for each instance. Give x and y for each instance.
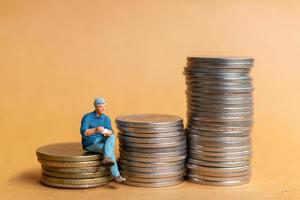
(98, 136)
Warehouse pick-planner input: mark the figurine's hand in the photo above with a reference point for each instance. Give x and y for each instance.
(107, 132)
(99, 129)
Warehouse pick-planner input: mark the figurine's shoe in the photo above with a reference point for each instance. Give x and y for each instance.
(107, 162)
(119, 179)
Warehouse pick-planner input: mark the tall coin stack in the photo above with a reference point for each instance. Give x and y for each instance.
(67, 165)
(220, 109)
(152, 150)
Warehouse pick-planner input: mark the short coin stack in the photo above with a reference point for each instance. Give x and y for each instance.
(67, 165)
(220, 109)
(152, 149)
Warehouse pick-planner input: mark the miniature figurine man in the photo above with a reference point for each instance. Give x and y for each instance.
(98, 136)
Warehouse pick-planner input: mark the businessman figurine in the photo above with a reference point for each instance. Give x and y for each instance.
(98, 136)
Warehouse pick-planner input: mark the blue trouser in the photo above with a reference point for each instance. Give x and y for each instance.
(106, 146)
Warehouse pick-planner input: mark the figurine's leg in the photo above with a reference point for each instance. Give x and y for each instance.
(109, 151)
(97, 147)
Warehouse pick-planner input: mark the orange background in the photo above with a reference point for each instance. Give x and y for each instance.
(57, 56)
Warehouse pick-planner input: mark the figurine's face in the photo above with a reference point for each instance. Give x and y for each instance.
(100, 108)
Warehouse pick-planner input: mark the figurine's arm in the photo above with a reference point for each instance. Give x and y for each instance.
(86, 131)
(90, 131)
(108, 128)
(109, 125)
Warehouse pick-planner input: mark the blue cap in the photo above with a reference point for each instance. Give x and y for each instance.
(99, 101)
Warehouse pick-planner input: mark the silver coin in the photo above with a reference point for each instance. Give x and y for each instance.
(76, 175)
(219, 115)
(150, 165)
(196, 83)
(218, 174)
(209, 105)
(150, 130)
(203, 106)
(228, 99)
(222, 60)
(149, 120)
(236, 148)
(75, 169)
(206, 104)
(66, 152)
(223, 104)
(220, 95)
(217, 82)
(153, 169)
(220, 91)
(153, 135)
(219, 144)
(244, 78)
(69, 164)
(216, 113)
(191, 70)
(218, 139)
(221, 108)
(191, 83)
(233, 72)
(199, 125)
(221, 118)
(221, 154)
(224, 111)
(125, 139)
(77, 186)
(157, 159)
(195, 70)
(195, 67)
(152, 175)
(218, 134)
(216, 129)
(220, 88)
(153, 150)
(218, 169)
(220, 129)
(152, 155)
(68, 181)
(247, 80)
(156, 145)
(216, 75)
(220, 121)
(198, 138)
(242, 124)
(220, 179)
(219, 98)
(218, 183)
(154, 185)
(218, 164)
(153, 180)
(219, 159)
(222, 99)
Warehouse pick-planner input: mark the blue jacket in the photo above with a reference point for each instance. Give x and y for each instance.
(92, 120)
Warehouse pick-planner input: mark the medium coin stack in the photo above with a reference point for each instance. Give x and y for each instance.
(152, 150)
(67, 165)
(220, 109)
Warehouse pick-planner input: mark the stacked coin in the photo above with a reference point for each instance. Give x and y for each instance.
(152, 149)
(220, 109)
(67, 165)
